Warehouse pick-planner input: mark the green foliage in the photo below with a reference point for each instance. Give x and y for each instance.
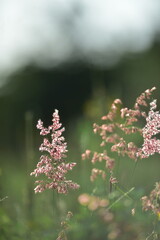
(107, 213)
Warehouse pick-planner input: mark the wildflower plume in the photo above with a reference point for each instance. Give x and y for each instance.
(119, 122)
(52, 165)
(151, 145)
(152, 203)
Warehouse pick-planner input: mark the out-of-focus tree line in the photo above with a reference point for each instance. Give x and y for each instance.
(68, 87)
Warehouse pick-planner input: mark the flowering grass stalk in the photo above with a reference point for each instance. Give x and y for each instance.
(52, 166)
(119, 123)
(152, 202)
(151, 145)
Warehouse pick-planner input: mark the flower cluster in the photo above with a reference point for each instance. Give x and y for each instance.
(151, 145)
(64, 227)
(153, 201)
(120, 122)
(53, 165)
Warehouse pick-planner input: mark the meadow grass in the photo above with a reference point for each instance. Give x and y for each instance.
(26, 215)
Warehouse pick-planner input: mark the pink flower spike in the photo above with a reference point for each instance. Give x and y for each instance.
(151, 144)
(53, 166)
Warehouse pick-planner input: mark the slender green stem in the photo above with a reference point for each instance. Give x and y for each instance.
(120, 190)
(29, 162)
(120, 198)
(2, 199)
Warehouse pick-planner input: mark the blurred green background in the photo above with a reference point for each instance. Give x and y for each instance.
(82, 90)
